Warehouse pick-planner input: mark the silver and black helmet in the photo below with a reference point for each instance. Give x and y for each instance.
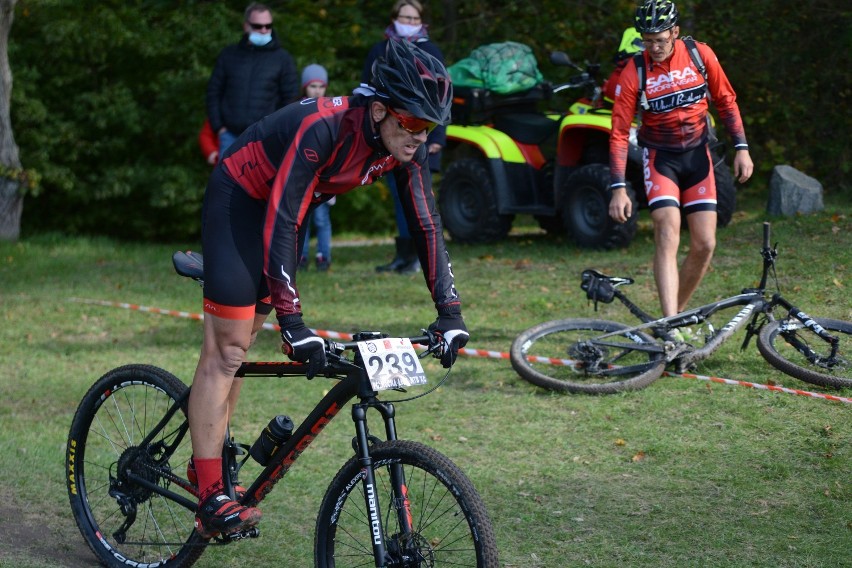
(415, 81)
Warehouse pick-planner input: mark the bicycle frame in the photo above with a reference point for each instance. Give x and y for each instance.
(354, 383)
(755, 304)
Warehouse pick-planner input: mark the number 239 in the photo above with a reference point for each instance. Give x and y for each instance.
(407, 366)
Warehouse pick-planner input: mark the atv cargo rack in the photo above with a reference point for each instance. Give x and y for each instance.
(473, 105)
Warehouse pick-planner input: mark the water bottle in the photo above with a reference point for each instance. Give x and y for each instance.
(271, 438)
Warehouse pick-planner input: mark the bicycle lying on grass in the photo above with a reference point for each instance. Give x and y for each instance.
(602, 357)
(395, 503)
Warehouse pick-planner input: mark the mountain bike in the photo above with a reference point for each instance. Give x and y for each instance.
(601, 357)
(395, 503)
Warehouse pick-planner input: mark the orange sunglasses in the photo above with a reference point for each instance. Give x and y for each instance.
(412, 124)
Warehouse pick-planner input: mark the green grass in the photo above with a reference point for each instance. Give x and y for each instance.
(682, 474)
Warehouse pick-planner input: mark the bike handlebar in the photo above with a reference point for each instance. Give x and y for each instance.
(766, 234)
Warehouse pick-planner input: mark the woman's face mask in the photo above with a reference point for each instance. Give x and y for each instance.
(406, 30)
(259, 39)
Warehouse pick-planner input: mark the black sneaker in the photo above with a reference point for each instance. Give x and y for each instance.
(219, 514)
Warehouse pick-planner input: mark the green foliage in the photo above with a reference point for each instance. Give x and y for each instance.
(111, 123)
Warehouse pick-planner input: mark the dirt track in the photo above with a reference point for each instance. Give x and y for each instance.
(26, 539)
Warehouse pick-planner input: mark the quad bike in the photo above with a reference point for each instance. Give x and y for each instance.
(505, 157)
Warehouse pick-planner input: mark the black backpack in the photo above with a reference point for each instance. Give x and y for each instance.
(639, 60)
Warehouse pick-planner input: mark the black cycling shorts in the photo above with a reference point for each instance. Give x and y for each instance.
(680, 179)
(232, 243)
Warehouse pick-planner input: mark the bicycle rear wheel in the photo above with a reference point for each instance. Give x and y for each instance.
(565, 355)
(125, 522)
(450, 526)
(796, 350)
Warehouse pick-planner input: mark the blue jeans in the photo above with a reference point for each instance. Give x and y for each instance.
(226, 138)
(321, 219)
(401, 223)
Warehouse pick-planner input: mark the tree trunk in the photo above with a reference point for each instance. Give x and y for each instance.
(11, 198)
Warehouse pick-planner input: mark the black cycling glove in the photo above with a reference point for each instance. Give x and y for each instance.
(450, 326)
(301, 344)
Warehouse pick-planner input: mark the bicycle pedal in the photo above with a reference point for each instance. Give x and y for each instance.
(253, 532)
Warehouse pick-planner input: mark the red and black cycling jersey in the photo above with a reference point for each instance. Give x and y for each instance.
(310, 151)
(677, 118)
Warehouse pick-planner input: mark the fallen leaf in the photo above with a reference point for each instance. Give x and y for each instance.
(620, 442)
(638, 457)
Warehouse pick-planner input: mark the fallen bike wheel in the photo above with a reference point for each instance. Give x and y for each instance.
(567, 355)
(794, 349)
(110, 473)
(450, 526)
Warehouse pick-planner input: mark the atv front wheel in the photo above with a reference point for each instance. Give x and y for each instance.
(468, 203)
(584, 205)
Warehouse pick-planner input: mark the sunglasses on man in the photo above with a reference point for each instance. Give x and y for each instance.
(412, 124)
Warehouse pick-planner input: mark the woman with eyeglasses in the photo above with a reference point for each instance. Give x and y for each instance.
(407, 25)
(674, 134)
(255, 207)
(251, 78)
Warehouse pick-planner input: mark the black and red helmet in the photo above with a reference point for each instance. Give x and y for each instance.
(415, 81)
(655, 16)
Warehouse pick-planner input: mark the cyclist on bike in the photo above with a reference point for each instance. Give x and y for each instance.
(255, 207)
(676, 157)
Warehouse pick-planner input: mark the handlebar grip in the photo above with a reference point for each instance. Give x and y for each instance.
(422, 340)
(766, 234)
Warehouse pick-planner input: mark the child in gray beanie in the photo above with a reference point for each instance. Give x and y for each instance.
(314, 73)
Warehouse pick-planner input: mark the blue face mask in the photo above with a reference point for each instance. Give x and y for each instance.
(259, 39)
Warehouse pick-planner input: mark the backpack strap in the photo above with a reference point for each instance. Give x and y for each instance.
(639, 61)
(698, 61)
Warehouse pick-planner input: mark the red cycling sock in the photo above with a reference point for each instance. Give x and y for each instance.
(209, 472)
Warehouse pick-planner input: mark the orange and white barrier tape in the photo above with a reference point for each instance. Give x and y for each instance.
(474, 352)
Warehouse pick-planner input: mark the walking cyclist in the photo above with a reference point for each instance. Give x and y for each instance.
(676, 157)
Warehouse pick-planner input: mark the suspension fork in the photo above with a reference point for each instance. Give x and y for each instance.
(371, 497)
(401, 503)
(810, 323)
(397, 478)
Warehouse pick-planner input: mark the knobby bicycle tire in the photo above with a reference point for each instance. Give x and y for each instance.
(450, 524)
(118, 411)
(557, 355)
(776, 344)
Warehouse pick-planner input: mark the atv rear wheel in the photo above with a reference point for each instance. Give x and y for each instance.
(468, 203)
(584, 205)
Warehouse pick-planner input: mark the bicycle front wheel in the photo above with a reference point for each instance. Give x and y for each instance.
(110, 473)
(567, 355)
(449, 524)
(794, 349)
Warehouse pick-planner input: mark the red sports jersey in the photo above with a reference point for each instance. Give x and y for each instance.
(312, 150)
(676, 120)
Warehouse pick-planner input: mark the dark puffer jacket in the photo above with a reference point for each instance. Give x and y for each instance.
(248, 83)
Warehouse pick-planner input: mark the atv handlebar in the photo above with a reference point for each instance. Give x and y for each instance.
(587, 77)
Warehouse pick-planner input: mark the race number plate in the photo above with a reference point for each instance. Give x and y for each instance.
(391, 363)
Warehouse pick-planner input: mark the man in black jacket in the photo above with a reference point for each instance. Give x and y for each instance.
(251, 79)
